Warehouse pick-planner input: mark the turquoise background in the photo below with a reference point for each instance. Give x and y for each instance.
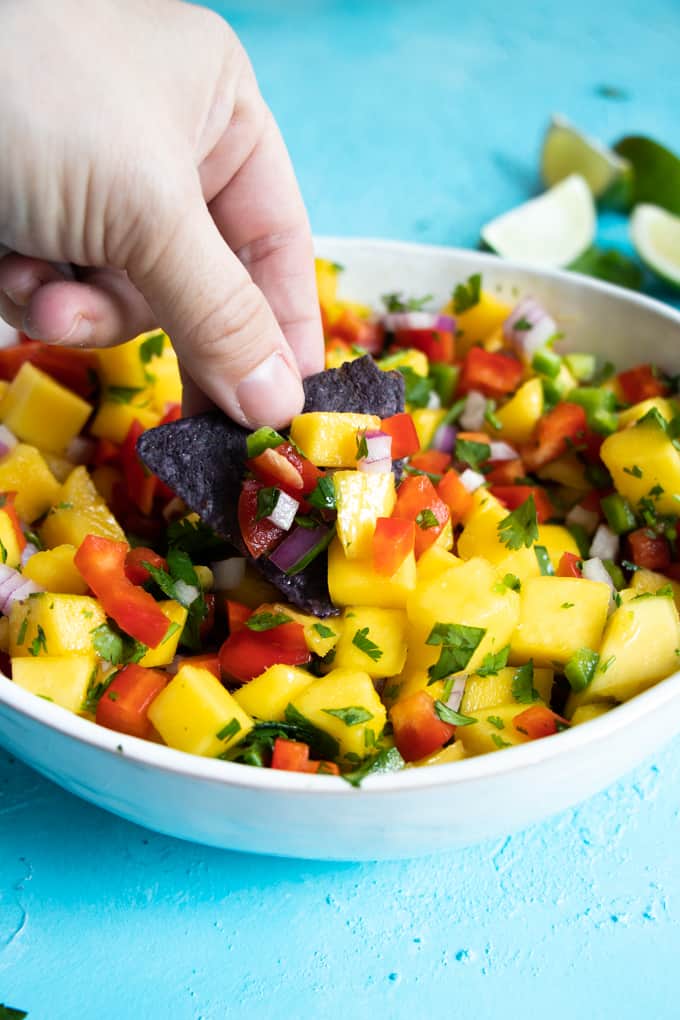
(420, 122)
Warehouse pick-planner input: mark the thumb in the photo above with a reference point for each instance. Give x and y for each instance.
(224, 332)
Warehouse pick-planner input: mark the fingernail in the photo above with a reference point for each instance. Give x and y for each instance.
(81, 332)
(19, 296)
(272, 393)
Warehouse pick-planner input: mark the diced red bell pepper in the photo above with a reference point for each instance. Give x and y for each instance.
(140, 483)
(513, 496)
(101, 563)
(563, 427)
(506, 472)
(75, 369)
(416, 496)
(237, 614)
(457, 498)
(7, 504)
(247, 653)
(404, 436)
(649, 550)
(418, 730)
(125, 703)
(134, 569)
(538, 721)
(673, 571)
(436, 344)
(358, 332)
(284, 468)
(209, 661)
(435, 462)
(293, 756)
(569, 565)
(262, 536)
(490, 372)
(106, 452)
(393, 540)
(173, 412)
(589, 446)
(323, 768)
(641, 383)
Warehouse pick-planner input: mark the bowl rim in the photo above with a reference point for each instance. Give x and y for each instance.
(146, 753)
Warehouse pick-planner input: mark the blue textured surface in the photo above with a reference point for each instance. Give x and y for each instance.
(415, 121)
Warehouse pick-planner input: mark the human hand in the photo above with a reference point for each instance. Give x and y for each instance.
(137, 147)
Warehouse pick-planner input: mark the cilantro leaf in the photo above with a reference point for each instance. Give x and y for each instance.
(267, 621)
(323, 494)
(353, 715)
(426, 519)
(466, 295)
(362, 446)
(196, 539)
(321, 744)
(39, 643)
(395, 303)
(520, 527)
(453, 718)
(113, 646)
(499, 742)
(122, 394)
(469, 451)
(492, 663)
(323, 631)
(229, 730)
(496, 721)
(365, 645)
(267, 498)
(152, 347)
(387, 760)
(523, 690)
(417, 388)
(459, 644)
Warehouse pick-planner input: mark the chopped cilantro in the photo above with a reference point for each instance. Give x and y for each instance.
(635, 471)
(567, 605)
(353, 715)
(122, 394)
(387, 760)
(523, 689)
(321, 744)
(512, 581)
(496, 721)
(22, 630)
(604, 666)
(466, 295)
(323, 495)
(152, 347)
(544, 561)
(115, 647)
(230, 730)
(453, 718)
(417, 388)
(267, 498)
(3, 553)
(172, 629)
(196, 539)
(492, 663)
(459, 644)
(426, 519)
(471, 452)
(261, 440)
(499, 742)
(362, 446)
(523, 325)
(396, 303)
(490, 416)
(365, 645)
(323, 631)
(520, 527)
(267, 621)
(39, 643)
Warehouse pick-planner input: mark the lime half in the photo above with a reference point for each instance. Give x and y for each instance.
(551, 230)
(656, 236)
(566, 150)
(656, 172)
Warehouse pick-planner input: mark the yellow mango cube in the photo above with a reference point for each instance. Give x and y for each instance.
(454, 752)
(476, 323)
(356, 582)
(479, 536)
(426, 421)
(494, 730)
(559, 615)
(79, 510)
(407, 357)
(345, 705)
(486, 691)
(567, 470)
(41, 411)
(631, 415)
(329, 438)
(435, 561)
(267, 696)
(63, 679)
(126, 364)
(23, 470)
(519, 415)
(587, 712)
(51, 624)
(361, 498)
(639, 648)
(55, 571)
(373, 641)
(650, 581)
(641, 458)
(165, 652)
(10, 551)
(114, 418)
(412, 679)
(167, 382)
(194, 713)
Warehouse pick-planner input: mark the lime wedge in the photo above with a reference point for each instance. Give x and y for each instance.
(656, 236)
(551, 230)
(566, 150)
(656, 172)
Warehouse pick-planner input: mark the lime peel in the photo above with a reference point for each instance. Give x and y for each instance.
(566, 150)
(655, 233)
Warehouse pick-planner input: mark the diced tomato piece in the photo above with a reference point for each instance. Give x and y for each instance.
(393, 540)
(125, 702)
(455, 495)
(209, 661)
(404, 436)
(436, 344)
(106, 452)
(290, 755)
(237, 614)
(418, 730)
(556, 431)
(358, 332)
(208, 621)
(505, 472)
(592, 501)
(589, 446)
(173, 412)
(323, 768)
(569, 565)
(417, 501)
(134, 569)
(101, 562)
(7, 504)
(435, 462)
(75, 369)
(490, 372)
(641, 383)
(247, 653)
(513, 496)
(538, 721)
(284, 468)
(649, 550)
(262, 536)
(140, 483)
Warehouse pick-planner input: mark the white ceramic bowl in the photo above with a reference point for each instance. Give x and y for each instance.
(419, 810)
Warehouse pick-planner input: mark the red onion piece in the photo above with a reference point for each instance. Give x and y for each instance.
(595, 570)
(457, 691)
(472, 480)
(228, 573)
(394, 321)
(541, 327)
(378, 445)
(298, 544)
(14, 587)
(605, 544)
(587, 519)
(29, 550)
(7, 440)
(284, 512)
(445, 438)
(472, 416)
(446, 323)
(375, 467)
(502, 451)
